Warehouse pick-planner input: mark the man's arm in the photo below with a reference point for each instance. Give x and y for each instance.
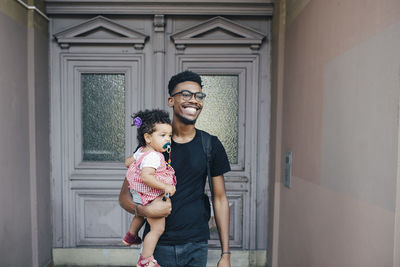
(221, 211)
(156, 209)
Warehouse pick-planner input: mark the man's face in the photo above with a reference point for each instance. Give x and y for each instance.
(186, 110)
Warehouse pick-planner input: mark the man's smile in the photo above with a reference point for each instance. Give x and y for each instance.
(190, 109)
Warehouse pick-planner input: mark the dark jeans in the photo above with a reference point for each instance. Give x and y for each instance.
(189, 254)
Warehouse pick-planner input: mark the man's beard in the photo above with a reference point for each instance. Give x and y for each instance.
(186, 121)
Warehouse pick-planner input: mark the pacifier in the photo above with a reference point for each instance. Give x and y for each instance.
(168, 147)
(165, 197)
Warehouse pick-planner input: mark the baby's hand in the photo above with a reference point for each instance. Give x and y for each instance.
(129, 161)
(170, 189)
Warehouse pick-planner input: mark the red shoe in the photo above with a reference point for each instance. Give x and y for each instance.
(130, 239)
(144, 262)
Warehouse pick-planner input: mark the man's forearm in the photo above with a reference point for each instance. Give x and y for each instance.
(221, 210)
(125, 198)
(157, 208)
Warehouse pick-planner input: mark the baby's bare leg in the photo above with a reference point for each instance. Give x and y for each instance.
(157, 226)
(136, 223)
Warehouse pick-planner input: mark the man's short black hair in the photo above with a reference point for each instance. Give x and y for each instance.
(148, 120)
(181, 77)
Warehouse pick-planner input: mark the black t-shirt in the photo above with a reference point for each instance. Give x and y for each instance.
(188, 221)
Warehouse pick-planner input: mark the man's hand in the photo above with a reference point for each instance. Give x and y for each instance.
(225, 261)
(157, 208)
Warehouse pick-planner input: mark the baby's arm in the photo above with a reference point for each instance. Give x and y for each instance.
(156, 209)
(129, 161)
(149, 179)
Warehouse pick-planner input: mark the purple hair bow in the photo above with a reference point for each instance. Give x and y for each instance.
(138, 122)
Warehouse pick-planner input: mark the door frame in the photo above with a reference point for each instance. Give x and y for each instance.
(254, 8)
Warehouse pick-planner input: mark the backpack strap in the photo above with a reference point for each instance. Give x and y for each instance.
(206, 141)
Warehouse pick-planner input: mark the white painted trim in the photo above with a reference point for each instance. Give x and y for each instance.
(129, 256)
(33, 8)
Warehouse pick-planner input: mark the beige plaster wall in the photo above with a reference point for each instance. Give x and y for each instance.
(324, 228)
(340, 91)
(25, 226)
(15, 222)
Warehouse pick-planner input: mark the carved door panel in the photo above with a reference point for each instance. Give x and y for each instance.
(97, 82)
(105, 69)
(228, 55)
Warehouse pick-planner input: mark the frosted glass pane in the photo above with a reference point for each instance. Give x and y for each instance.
(103, 116)
(220, 112)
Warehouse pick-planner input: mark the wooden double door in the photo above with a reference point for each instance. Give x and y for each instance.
(103, 69)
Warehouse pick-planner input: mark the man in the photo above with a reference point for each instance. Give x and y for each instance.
(184, 241)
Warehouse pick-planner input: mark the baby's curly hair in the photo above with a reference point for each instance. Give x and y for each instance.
(149, 119)
(181, 77)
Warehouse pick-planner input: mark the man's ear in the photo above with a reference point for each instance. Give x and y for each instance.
(147, 138)
(170, 102)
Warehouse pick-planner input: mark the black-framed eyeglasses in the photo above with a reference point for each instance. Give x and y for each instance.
(187, 95)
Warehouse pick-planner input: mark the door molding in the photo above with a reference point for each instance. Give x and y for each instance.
(81, 186)
(241, 182)
(85, 33)
(172, 7)
(70, 176)
(232, 33)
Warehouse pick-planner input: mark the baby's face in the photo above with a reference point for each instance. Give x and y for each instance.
(161, 136)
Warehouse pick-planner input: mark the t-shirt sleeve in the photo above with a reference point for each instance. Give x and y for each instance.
(220, 163)
(151, 160)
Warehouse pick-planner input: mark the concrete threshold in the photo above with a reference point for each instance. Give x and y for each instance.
(128, 257)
